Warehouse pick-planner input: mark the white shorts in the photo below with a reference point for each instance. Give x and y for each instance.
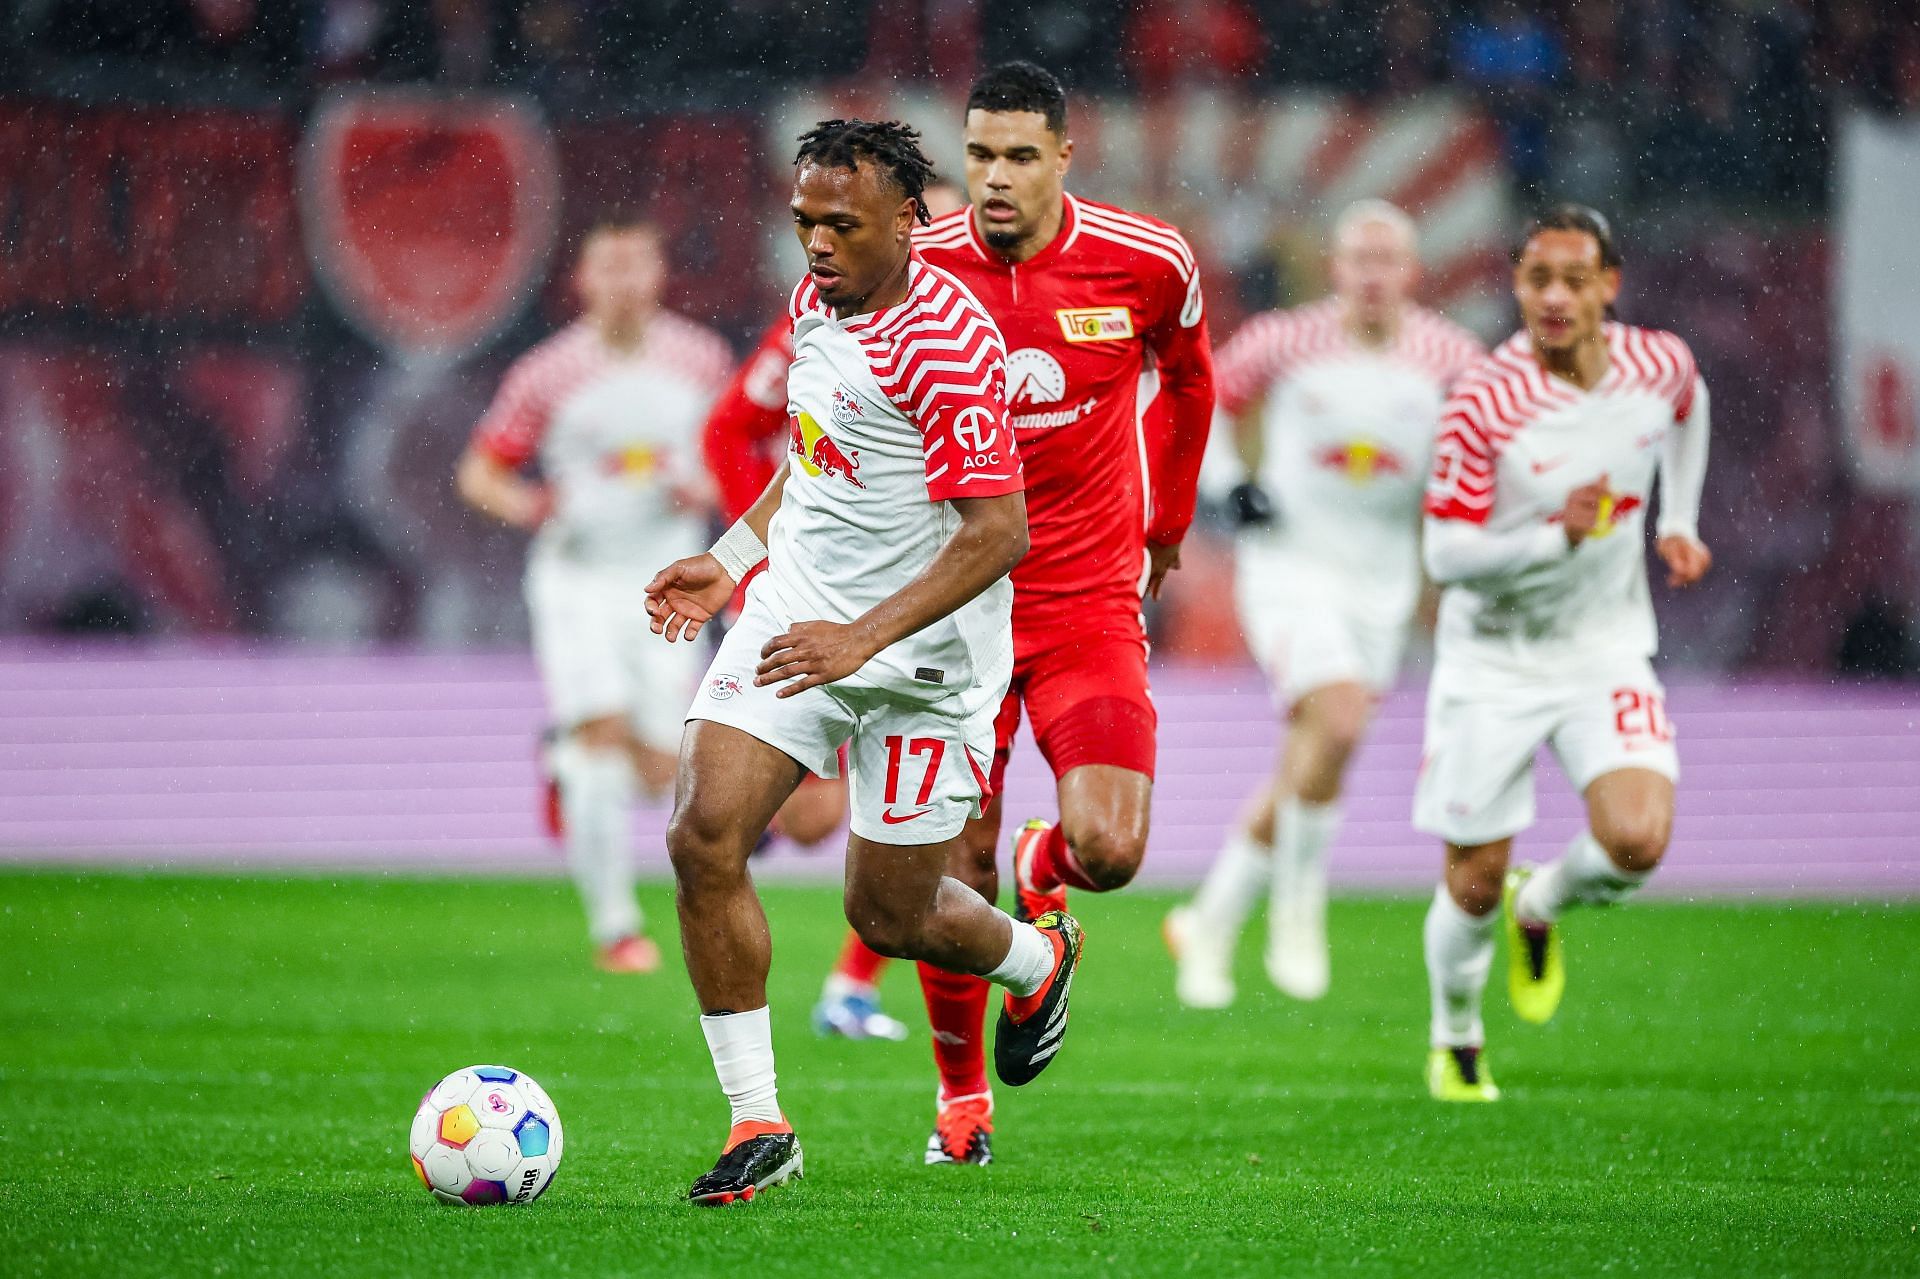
(1476, 774)
(918, 772)
(1307, 633)
(599, 657)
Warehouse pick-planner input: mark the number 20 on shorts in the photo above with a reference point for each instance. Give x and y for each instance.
(1639, 715)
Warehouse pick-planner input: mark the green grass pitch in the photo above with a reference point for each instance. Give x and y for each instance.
(209, 1076)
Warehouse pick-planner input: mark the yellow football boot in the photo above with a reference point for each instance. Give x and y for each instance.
(1460, 1074)
(1535, 976)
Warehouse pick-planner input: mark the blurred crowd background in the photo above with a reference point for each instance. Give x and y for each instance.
(216, 421)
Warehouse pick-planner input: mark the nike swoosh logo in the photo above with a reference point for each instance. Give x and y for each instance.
(894, 819)
(1541, 468)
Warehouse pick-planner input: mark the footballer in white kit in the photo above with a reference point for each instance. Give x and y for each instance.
(883, 622)
(1544, 471)
(1335, 404)
(610, 409)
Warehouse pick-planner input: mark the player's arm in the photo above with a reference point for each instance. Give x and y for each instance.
(1243, 376)
(990, 540)
(1176, 424)
(749, 412)
(1456, 544)
(492, 487)
(687, 594)
(488, 475)
(1683, 474)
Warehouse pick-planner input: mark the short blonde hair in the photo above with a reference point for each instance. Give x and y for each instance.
(1362, 212)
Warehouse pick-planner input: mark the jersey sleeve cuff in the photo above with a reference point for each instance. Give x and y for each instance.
(946, 489)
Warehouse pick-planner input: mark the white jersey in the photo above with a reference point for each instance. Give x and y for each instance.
(893, 415)
(1347, 434)
(1513, 443)
(617, 434)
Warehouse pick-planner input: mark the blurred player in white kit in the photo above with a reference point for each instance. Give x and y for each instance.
(611, 408)
(1334, 406)
(1536, 519)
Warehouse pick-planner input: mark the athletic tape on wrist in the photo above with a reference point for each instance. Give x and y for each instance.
(739, 550)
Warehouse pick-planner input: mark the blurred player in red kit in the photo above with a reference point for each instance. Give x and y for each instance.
(747, 436)
(1110, 383)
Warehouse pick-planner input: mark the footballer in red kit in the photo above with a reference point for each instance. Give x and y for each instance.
(1110, 384)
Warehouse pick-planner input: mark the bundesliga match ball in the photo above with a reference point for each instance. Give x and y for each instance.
(486, 1135)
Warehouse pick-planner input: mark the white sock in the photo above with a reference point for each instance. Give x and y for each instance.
(1029, 960)
(742, 1048)
(1459, 956)
(1301, 834)
(596, 798)
(1237, 879)
(1583, 873)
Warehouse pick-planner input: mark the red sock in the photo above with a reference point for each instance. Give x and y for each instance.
(1056, 864)
(957, 1011)
(859, 961)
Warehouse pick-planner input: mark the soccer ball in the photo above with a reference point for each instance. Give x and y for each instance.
(486, 1135)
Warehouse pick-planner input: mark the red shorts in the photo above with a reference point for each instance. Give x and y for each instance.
(1087, 695)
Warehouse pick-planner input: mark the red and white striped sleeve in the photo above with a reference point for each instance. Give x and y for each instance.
(1474, 426)
(1254, 358)
(945, 366)
(514, 424)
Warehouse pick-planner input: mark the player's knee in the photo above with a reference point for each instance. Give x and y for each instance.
(1110, 852)
(703, 847)
(1635, 841)
(890, 928)
(1475, 877)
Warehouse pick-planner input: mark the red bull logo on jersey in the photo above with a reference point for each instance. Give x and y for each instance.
(819, 455)
(637, 462)
(1361, 460)
(1614, 508)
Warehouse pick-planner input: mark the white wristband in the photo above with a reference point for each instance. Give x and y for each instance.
(739, 550)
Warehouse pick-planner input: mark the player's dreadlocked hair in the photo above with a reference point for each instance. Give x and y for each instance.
(890, 145)
(1021, 86)
(1572, 217)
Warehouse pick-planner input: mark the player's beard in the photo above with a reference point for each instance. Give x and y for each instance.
(1004, 239)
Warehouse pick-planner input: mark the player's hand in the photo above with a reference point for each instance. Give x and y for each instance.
(1162, 561)
(807, 654)
(1687, 558)
(526, 506)
(1582, 511)
(1249, 505)
(686, 594)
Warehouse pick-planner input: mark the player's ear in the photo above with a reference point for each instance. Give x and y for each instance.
(1066, 155)
(905, 218)
(1610, 285)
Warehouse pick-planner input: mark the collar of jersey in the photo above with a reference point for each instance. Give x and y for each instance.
(1615, 333)
(1069, 230)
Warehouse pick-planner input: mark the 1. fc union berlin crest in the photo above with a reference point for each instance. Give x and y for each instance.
(429, 218)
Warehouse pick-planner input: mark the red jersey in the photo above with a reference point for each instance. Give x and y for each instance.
(746, 432)
(1110, 382)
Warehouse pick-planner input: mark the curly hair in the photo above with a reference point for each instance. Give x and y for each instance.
(891, 146)
(1021, 86)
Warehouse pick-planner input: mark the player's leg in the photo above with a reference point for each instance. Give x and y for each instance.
(578, 640)
(1475, 792)
(1327, 725)
(730, 786)
(957, 1002)
(849, 1004)
(1617, 745)
(1095, 723)
(743, 752)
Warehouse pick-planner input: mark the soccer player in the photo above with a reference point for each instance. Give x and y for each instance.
(1333, 406)
(1093, 300)
(745, 434)
(611, 408)
(882, 623)
(1536, 514)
